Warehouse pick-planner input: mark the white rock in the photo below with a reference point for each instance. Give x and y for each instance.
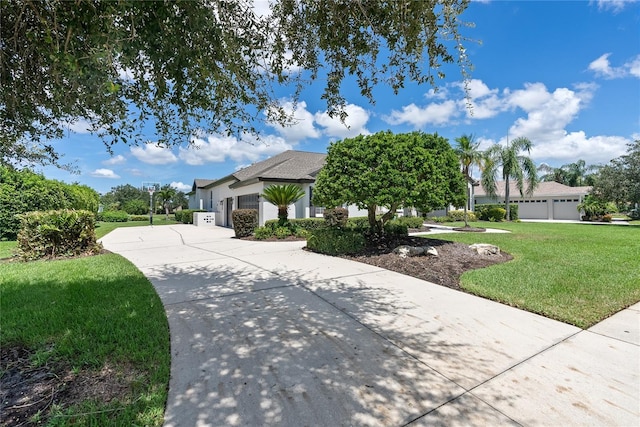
(485, 249)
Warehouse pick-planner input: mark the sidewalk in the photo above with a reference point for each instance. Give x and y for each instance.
(268, 334)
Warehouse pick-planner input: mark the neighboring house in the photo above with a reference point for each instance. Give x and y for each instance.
(242, 189)
(550, 200)
(199, 197)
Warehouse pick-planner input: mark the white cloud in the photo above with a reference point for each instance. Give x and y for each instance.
(432, 114)
(302, 126)
(217, 149)
(576, 145)
(354, 124)
(602, 67)
(614, 6)
(104, 173)
(180, 186)
(135, 172)
(115, 160)
(154, 155)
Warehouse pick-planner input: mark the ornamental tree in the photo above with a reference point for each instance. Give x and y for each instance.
(202, 65)
(281, 196)
(390, 171)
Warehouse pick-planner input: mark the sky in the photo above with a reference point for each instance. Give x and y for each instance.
(564, 74)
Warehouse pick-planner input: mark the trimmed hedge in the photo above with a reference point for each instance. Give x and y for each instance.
(245, 221)
(336, 217)
(58, 233)
(336, 241)
(298, 223)
(482, 211)
(114, 216)
(185, 216)
(409, 221)
(139, 218)
(459, 215)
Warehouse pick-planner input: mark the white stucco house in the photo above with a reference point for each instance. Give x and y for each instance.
(550, 200)
(242, 189)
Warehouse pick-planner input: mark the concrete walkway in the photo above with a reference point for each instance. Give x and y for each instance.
(268, 334)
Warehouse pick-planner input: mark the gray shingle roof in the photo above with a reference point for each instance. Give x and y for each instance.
(200, 183)
(290, 165)
(543, 189)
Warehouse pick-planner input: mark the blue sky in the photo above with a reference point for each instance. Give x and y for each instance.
(566, 75)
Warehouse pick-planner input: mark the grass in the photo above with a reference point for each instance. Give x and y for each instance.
(102, 228)
(576, 273)
(88, 313)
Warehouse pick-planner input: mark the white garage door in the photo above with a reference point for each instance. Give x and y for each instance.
(532, 209)
(566, 209)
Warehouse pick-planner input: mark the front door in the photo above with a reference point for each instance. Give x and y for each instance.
(229, 209)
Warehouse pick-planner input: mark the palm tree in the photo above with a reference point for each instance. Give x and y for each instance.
(469, 155)
(282, 196)
(520, 168)
(165, 196)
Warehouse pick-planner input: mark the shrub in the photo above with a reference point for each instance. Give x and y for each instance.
(282, 232)
(634, 214)
(178, 215)
(56, 233)
(115, 216)
(303, 233)
(245, 221)
(482, 211)
(139, 218)
(496, 214)
(336, 217)
(439, 219)
(358, 223)
(262, 233)
(607, 218)
(136, 207)
(458, 215)
(409, 221)
(394, 229)
(336, 241)
(186, 217)
(296, 224)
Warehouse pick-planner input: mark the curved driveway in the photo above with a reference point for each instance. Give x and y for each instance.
(268, 334)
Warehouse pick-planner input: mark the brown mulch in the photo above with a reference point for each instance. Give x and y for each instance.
(28, 391)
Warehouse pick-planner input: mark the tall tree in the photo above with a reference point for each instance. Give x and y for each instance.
(619, 181)
(514, 166)
(391, 171)
(165, 197)
(467, 151)
(202, 65)
(282, 196)
(574, 174)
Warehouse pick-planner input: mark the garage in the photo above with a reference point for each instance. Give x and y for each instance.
(532, 209)
(566, 209)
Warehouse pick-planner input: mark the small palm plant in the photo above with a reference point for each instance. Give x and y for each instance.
(165, 196)
(282, 196)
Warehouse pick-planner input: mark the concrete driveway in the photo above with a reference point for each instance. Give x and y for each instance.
(268, 334)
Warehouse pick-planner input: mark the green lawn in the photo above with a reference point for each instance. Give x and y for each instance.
(102, 228)
(576, 273)
(88, 313)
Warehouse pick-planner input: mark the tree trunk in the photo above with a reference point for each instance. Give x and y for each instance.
(283, 215)
(466, 202)
(506, 200)
(373, 223)
(166, 211)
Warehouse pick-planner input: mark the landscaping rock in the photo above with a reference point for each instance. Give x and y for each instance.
(485, 249)
(405, 251)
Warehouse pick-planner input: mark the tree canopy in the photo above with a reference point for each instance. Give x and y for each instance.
(619, 181)
(391, 171)
(202, 65)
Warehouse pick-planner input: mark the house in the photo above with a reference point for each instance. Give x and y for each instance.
(198, 195)
(242, 189)
(550, 200)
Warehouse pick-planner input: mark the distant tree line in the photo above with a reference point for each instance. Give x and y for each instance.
(135, 201)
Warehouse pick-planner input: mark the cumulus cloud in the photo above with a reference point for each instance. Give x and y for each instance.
(154, 155)
(432, 114)
(302, 126)
(354, 124)
(104, 173)
(180, 186)
(217, 149)
(115, 160)
(614, 6)
(602, 67)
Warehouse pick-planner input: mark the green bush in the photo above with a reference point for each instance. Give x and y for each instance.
(245, 221)
(262, 233)
(282, 232)
(298, 223)
(336, 241)
(409, 221)
(496, 214)
(482, 211)
(394, 229)
(439, 219)
(358, 223)
(458, 215)
(186, 215)
(136, 207)
(56, 233)
(138, 217)
(115, 216)
(634, 214)
(336, 217)
(303, 233)
(178, 215)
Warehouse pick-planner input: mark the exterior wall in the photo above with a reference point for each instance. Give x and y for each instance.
(203, 195)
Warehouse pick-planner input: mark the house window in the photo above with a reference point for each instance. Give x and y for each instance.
(248, 201)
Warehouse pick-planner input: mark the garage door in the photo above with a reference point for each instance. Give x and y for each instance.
(566, 209)
(532, 209)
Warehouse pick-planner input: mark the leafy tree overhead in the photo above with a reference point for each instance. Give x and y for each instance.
(514, 166)
(282, 196)
(189, 66)
(390, 171)
(467, 151)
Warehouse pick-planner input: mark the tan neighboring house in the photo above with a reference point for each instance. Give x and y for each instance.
(550, 200)
(242, 189)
